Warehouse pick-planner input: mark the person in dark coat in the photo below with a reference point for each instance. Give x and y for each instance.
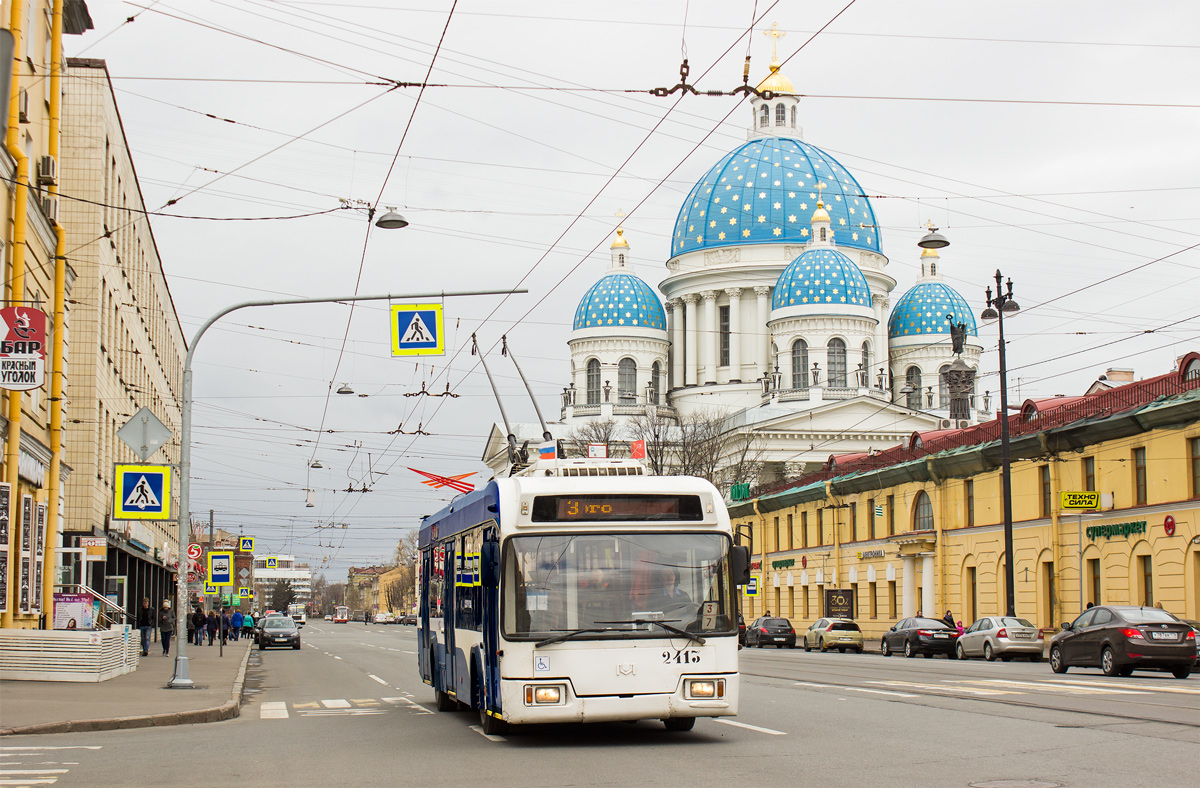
(949, 619)
(225, 626)
(212, 623)
(166, 627)
(146, 621)
(199, 622)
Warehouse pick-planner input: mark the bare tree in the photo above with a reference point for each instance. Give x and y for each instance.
(396, 595)
(700, 447)
(659, 433)
(744, 452)
(599, 431)
(407, 549)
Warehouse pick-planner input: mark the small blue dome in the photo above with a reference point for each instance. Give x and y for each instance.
(620, 300)
(821, 276)
(923, 310)
(766, 191)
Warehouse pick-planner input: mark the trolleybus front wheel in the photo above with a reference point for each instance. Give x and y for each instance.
(680, 723)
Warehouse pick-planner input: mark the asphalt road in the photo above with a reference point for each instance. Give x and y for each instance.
(349, 709)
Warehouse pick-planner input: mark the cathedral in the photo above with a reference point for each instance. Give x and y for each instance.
(776, 315)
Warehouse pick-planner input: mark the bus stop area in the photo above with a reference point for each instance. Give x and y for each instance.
(135, 700)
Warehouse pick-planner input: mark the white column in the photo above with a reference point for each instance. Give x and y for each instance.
(735, 333)
(927, 602)
(908, 603)
(691, 357)
(712, 336)
(880, 348)
(763, 356)
(676, 307)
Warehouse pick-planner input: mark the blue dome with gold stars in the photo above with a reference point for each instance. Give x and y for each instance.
(922, 311)
(765, 191)
(620, 300)
(821, 276)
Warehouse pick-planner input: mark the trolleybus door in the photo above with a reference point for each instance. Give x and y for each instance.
(449, 577)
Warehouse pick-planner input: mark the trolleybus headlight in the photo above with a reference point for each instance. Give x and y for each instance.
(706, 688)
(542, 694)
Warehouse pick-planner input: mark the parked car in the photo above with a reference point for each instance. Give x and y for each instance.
(1195, 625)
(329, 617)
(408, 619)
(1120, 639)
(913, 636)
(383, 618)
(839, 633)
(741, 630)
(1001, 636)
(777, 632)
(278, 631)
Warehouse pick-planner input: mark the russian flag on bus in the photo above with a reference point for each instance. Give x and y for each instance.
(546, 451)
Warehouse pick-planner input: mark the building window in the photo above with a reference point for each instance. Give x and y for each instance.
(1147, 581)
(891, 515)
(944, 386)
(804, 529)
(793, 117)
(804, 601)
(627, 382)
(969, 494)
(1093, 581)
(853, 522)
(593, 382)
(1195, 446)
(777, 542)
(820, 527)
(912, 378)
(1139, 476)
(835, 361)
(873, 602)
(791, 536)
(621, 260)
(764, 118)
(655, 371)
(866, 365)
(723, 312)
(871, 518)
(1050, 594)
(891, 599)
(972, 585)
(1044, 478)
(780, 115)
(823, 235)
(799, 364)
(922, 512)
(1089, 474)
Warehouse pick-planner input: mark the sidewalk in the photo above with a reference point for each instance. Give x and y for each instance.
(135, 700)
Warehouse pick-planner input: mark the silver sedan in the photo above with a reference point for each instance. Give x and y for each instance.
(1001, 636)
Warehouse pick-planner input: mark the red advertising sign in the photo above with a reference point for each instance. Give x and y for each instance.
(1169, 525)
(22, 348)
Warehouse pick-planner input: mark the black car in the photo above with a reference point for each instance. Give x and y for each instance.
(408, 619)
(777, 632)
(741, 630)
(913, 636)
(1120, 639)
(278, 631)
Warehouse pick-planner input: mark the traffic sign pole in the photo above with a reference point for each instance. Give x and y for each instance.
(182, 679)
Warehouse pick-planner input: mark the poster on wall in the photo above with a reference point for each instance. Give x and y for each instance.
(25, 582)
(39, 558)
(73, 611)
(3, 581)
(5, 504)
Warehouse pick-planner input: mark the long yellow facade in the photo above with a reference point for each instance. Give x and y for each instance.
(938, 545)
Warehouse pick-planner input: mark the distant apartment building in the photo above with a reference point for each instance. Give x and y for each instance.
(32, 249)
(126, 346)
(270, 569)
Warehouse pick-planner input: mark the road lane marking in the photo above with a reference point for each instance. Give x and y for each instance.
(312, 704)
(750, 727)
(273, 710)
(1145, 687)
(489, 736)
(336, 657)
(32, 781)
(364, 701)
(381, 681)
(34, 771)
(408, 652)
(1038, 686)
(336, 703)
(942, 689)
(415, 705)
(880, 692)
(70, 747)
(341, 712)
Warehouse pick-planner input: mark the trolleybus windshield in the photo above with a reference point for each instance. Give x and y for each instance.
(616, 583)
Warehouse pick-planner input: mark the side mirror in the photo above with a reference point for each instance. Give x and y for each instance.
(489, 565)
(1066, 625)
(739, 564)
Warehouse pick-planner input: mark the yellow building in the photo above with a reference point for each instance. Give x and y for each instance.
(920, 527)
(396, 594)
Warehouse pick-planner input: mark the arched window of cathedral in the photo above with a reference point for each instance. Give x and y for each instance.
(912, 377)
(922, 512)
(593, 382)
(627, 382)
(800, 364)
(621, 259)
(835, 363)
(780, 114)
(655, 371)
(944, 386)
(822, 233)
(793, 116)
(764, 119)
(866, 364)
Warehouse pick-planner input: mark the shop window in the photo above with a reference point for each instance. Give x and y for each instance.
(1044, 478)
(1139, 476)
(1049, 593)
(922, 512)
(970, 592)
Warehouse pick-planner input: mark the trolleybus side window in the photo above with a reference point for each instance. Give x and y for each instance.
(467, 600)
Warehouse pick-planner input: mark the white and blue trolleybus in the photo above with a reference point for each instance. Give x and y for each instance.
(585, 591)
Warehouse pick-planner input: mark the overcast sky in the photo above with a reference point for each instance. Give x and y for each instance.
(1053, 140)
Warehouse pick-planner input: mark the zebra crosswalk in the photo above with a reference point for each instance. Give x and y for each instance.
(337, 707)
(31, 765)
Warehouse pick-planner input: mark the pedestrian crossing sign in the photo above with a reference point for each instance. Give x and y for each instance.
(143, 492)
(244, 593)
(272, 562)
(417, 330)
(210, 589)
(246, 544)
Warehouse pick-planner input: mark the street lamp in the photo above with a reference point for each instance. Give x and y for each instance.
(1003, 303)
(391, 221)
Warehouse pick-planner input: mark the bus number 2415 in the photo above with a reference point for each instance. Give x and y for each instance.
(687, 656)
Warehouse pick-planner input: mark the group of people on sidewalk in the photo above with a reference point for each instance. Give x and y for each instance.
(228, 626)
(148, 618)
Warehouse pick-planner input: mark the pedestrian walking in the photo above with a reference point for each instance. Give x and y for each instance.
(949, 619)
(146, 621)
(235, 623)
(212, 623)
(200, 622)
(224, 626)
(248, 626)
(166, 627)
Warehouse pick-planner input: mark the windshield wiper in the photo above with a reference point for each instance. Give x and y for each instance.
(569, 635)
(676, 630)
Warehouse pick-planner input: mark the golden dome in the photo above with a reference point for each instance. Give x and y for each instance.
(929, 253)
(820, 215)
(777, 82)
(620, 242)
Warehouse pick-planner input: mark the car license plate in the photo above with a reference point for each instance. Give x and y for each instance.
(281, 640)
(941, 637)
(1020, 636)
(1164, 636)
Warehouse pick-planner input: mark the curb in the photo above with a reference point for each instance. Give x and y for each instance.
(226, 711)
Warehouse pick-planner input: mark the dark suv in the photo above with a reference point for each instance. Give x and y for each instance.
(1120, 639)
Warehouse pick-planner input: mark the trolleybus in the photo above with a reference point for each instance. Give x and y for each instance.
(341, 614)
(601, 595)
(298, 613)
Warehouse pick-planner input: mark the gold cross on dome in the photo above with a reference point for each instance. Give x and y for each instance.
(775, 34)
(821, 187)
(619, 214)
